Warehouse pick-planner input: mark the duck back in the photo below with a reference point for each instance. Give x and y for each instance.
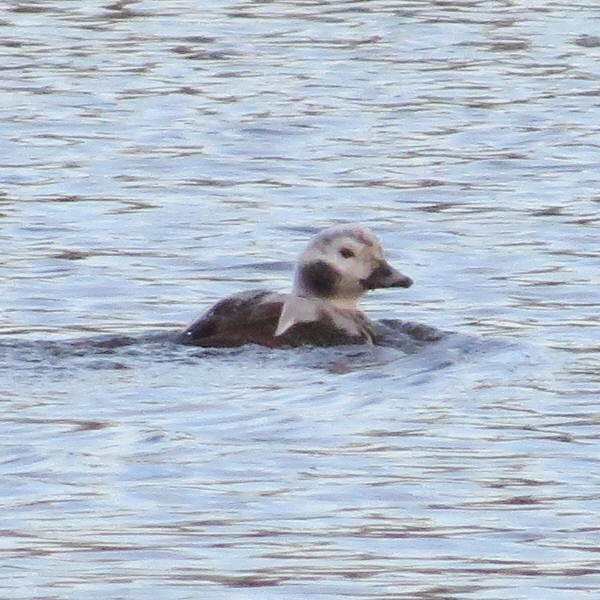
(252, 318)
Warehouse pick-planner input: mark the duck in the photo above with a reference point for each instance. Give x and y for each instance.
(338, 266)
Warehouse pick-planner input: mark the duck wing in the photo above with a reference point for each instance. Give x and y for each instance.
(254, 318)
(244, 318)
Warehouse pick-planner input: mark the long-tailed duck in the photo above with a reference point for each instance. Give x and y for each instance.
(337, 267)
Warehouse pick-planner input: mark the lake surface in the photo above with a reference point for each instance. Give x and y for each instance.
(159, 155)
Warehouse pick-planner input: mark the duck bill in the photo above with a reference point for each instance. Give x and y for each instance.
(385, 276)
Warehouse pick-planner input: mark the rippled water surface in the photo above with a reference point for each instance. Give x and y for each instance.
(159, 155)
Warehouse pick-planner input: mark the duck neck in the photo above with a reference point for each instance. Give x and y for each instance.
(339, 302)
(345, 303)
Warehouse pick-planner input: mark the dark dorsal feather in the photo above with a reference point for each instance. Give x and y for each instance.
(252, 317)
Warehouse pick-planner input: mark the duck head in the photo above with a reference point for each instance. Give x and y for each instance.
(341, 263)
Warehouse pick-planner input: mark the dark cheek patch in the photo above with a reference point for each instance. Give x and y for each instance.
(320, 278)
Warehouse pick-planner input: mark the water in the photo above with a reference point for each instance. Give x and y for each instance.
(157, 156)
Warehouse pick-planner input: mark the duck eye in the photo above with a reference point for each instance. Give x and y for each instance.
(346, 252)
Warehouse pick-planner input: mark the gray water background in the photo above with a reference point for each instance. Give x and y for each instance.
(156, 156)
